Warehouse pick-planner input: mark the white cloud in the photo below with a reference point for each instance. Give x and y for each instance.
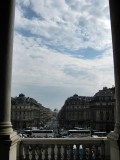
(43, 48)
(39, 64)
(79, 29)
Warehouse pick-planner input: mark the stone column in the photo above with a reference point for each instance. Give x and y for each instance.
(8, 138)
(114, 136)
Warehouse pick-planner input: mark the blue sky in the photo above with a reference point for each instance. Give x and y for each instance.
(61, 48)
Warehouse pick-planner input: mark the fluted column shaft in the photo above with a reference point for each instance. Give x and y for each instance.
(7, 8)
(115, 27)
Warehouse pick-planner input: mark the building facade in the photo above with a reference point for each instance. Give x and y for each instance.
(102, 110)
(75, 112)
(95, 112)
(27, 112)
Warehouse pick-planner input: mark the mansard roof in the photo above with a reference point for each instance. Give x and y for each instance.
(78, 99)
(21, 99)
(105, 92)
(21, 95)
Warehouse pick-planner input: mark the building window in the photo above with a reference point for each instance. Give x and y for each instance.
(107, 115)
(101, 115)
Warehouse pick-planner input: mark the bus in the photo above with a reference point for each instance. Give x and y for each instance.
(38, 133)
(42, 133)
(27, 133)
(78, 128)
(100, 134)
(81, 133)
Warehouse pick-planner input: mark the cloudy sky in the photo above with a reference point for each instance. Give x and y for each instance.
(61, 47)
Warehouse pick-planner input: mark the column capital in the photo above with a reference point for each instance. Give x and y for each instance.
(117, 128)
(113, 136)
(114, 139)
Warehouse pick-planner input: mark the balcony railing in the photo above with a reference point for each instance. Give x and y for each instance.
(63, 149)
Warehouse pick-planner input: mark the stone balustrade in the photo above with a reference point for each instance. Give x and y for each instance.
(63, 149)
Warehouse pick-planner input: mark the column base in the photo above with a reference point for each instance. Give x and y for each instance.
(114, 139)
(8, 146)
(5, 128)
